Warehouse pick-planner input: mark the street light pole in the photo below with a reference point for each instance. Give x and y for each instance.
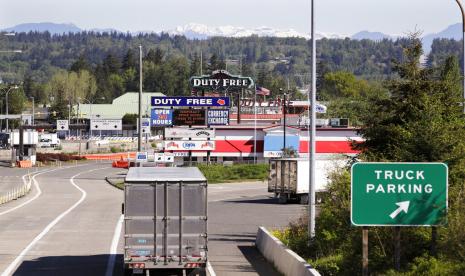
(284, 123)
(312, 134)
(255, 124)
(463, 44)
(139, 134)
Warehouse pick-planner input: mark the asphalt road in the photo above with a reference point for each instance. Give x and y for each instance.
(235, 213)
(66, 230)
(67, 225)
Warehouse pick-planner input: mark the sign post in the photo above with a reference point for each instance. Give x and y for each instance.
(397, 194)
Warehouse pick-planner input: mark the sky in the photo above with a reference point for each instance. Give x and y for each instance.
(333, 16)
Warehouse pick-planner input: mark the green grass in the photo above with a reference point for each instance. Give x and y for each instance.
(234, 173)
(120, 185)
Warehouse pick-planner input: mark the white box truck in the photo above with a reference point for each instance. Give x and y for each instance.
(165, 221)
(289, 177)
(49, 140)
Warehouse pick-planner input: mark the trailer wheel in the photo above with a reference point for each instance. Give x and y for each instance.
(127, 272)
(282, 199)
(303, 199)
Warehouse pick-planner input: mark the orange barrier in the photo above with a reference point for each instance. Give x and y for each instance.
(110, 156)
(122, 164)
(24, 164)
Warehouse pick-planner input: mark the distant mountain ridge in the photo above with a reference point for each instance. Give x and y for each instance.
(201, 31)
(53, 28)
(451, 32)
(372, 36)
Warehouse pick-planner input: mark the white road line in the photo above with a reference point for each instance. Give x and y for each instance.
(114, 247)
(32, 199)
(9, 270)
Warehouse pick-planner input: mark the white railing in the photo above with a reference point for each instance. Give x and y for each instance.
(17, 192)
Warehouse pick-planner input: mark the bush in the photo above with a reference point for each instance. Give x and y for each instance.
(427, 265)
(50, 157)
(114, 149)
(328, 265)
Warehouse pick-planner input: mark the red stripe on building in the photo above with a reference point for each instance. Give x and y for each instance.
(245, 146)
(329, 147)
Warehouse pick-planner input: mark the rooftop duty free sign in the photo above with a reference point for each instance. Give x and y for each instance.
(399, 194)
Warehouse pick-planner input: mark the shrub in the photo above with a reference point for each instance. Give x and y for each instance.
(328, 265)
(49, 157)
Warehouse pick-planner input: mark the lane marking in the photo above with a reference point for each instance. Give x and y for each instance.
(9, 270)
(114, 247)
(210, 270)
(36, 186)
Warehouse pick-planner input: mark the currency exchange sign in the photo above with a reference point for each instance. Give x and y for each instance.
(399, 194)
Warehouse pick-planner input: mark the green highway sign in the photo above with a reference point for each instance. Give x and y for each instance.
(399, 194)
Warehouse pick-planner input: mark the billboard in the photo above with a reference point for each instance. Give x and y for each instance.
(190, 101)
(180, 133)
(218, 117)
(189, 145)
(106, 124)
(161, 117)
(189, 117)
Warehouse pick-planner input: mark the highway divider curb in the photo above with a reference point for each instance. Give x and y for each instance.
(112, 181)
(285, 260)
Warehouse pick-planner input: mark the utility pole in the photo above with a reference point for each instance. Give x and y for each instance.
(33, 104)
(6, 99)
(463, 49)
(139, 132)
(312, 134)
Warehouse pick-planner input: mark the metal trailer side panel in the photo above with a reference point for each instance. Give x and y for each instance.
(155, 226)
(272, 183)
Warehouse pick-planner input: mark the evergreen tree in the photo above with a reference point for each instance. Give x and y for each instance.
(80, 64)
(130, 60)
(155, 56)
(195, 65)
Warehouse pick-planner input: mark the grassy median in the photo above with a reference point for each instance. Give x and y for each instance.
(234, 173)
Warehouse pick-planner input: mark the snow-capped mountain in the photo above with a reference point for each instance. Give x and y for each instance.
(201, 31)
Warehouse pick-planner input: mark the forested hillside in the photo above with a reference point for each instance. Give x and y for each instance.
(103, 66)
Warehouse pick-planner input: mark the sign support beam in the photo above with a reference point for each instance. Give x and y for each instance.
(397, 248)
(365, 251)
(434, 234)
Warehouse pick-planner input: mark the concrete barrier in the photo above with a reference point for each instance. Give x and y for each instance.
(285, 260)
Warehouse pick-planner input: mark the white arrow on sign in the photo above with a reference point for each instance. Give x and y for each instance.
(403, 206)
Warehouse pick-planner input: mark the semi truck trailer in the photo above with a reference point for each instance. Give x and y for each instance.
(289, 177)
(165, 221)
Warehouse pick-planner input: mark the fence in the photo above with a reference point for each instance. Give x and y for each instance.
(17, 192)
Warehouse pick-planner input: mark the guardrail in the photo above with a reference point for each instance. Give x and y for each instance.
(17, 192)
